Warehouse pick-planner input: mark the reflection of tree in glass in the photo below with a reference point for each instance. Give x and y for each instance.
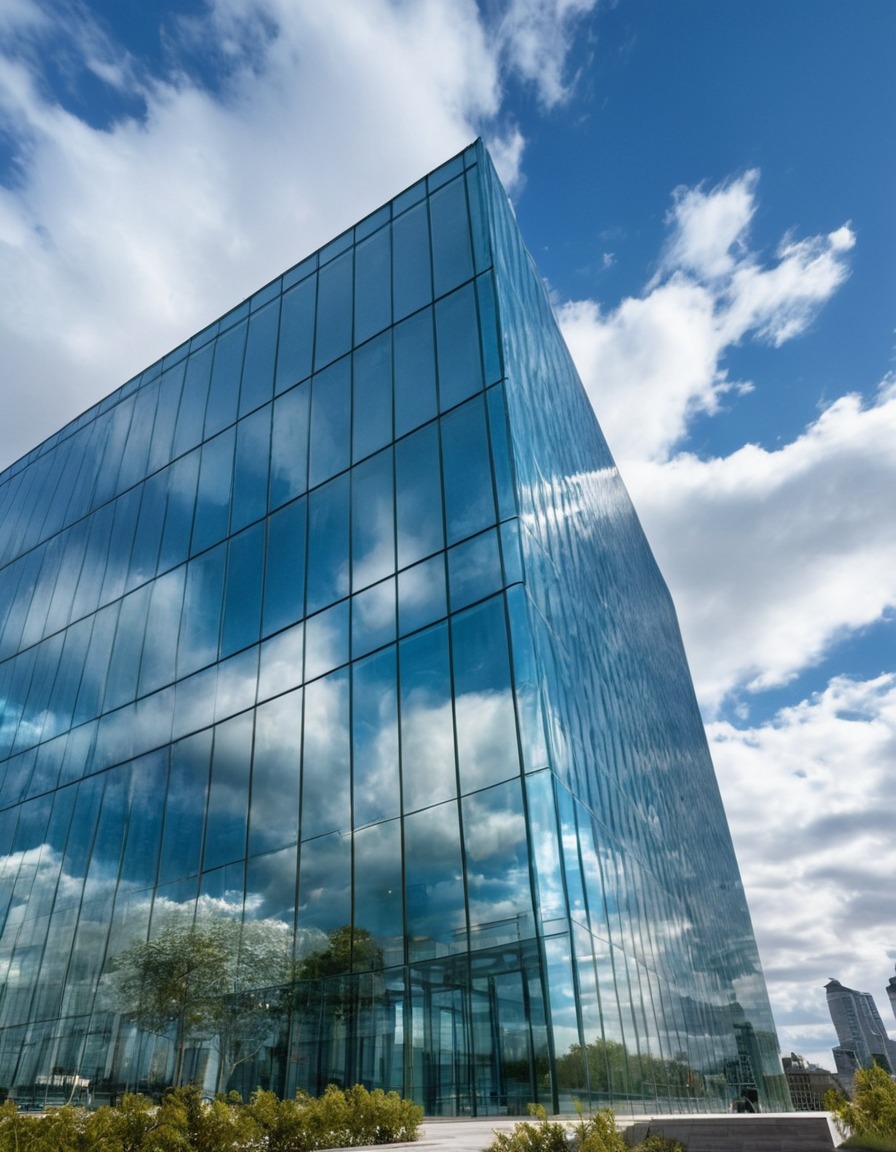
(217, 981)
(613, 1070)
(348, 950)
(334, 985)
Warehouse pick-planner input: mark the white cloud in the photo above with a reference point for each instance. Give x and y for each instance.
(710, 229)
(536, 36)
(118, 242)
(655, 361)
(772, 556)
(810, 800)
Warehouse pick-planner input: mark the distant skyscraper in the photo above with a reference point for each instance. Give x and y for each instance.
(891, 993)
(332, 651)
(860, 1030)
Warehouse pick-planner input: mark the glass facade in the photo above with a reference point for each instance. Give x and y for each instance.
(346, 733)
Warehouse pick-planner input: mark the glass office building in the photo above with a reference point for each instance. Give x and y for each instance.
(346, 733)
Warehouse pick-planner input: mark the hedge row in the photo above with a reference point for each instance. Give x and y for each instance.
(183, 1121)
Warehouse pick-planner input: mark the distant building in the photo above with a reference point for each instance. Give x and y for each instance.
(891, 993)
(808, 1083)
(860, 1030)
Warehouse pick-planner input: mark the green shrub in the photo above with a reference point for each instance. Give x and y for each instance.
(592, 1132)
(871, 1114)
(656, 1142)
(598, 1132)
(545, 1136)
(184, 1122)
(380, 1117)
(279, 1122)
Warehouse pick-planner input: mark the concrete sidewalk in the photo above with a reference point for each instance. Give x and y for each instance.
(773, 1132)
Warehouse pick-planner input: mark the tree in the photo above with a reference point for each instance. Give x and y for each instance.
(872, 1112)
(215, 981)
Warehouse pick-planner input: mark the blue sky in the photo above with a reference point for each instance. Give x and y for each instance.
(708, 190)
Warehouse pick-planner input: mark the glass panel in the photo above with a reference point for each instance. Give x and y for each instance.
(166, 416)
(96, 664)
(181, 477)
(237, 683)
(328, 535)
(372, 285)
(214, 493)
(498, 886)
(228, 797)
(415, 374)
(569, 844)
(325, 876)
(185, 807)
(418, 496)
(330, 421)
(162, 626)
(372, 396)
(78, 753)
(373, 618)
(62, 699)
(474, 569)
(225, 386)
(457, 335)
(547, 866)
(115, 426)
(501, 454)
(120, 542)
(250, 476)
(148, 778)
(147, 537)
(201, 619)
(488, 328)
(486, 722)
(289, 446)
(427, 732)
(478, 223)
(421, 595)
(133, 464)
(242, 599)
(436, 920)
(194, 701)
(526, 681)
(274, 807)
(561, 993)
(261, 351)
(469, 499)
(334, 310)
(284, 587)
(411, 282)
(373, 525)
(281, 662)
(377, 888)
(452, 258)
(191, 415)
(326, 640)
(296, 335)
(121, 684)
(376, 783)
(326, 757)
(511, 551)
(271, 885)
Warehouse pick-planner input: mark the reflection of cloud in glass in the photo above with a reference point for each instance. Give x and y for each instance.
(486, 738)
(584, 496)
